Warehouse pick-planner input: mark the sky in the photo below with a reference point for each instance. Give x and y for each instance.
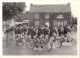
(75, 4)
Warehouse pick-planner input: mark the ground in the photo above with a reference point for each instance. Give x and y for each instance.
(9, 48)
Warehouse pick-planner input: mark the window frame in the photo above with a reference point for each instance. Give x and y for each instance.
(37, 23)
(37, 16)
(46, 16)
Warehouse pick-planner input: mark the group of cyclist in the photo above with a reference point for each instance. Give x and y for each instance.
(40, 36)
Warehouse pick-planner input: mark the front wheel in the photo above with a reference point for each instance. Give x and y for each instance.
(73, 42)
(58, 44)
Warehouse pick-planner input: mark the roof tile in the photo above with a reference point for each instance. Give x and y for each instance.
(50, 8)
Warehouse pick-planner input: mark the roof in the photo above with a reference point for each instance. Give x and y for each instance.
(50, 8)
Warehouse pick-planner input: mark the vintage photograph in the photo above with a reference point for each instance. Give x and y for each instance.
(39, 28)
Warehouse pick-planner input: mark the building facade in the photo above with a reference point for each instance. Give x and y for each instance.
(51, 15)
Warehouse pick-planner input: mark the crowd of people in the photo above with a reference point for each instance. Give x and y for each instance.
(39, 37)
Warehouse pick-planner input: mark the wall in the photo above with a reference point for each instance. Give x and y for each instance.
(52, 18)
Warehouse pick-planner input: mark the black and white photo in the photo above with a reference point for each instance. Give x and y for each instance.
(38, 28)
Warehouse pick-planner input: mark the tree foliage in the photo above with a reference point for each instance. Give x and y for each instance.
(20, 17)
(11, 9)
(74, 20)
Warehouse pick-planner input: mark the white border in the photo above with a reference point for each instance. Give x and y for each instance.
(47, 56)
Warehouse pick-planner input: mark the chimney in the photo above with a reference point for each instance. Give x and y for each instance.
(31, 4)
(68, 3)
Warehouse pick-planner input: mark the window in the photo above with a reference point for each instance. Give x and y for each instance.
(65, 23)
(37, 16)
(46, 16)
(36, 23)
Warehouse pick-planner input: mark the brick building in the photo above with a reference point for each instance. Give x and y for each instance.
(52, 15)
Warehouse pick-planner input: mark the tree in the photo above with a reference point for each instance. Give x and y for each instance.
(20, 17)
(11, 9)
(74, 20)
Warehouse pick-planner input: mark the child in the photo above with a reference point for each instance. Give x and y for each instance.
(35, 44)
(47, 37)
(68, 37)
(19, 40)
(35, 48)
(48, 47)
(28, 39)
(40, 49)
(51, 40)
(31, 44)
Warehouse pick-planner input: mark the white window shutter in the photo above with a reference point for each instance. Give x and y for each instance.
(36, 23)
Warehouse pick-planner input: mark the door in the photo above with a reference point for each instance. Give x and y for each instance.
(60, 23)
(65, 23)
(55, 23)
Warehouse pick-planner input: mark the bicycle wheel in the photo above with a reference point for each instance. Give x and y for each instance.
(57, 44)
(73, 42)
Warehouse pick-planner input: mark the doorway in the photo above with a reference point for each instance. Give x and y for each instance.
(60, 23)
